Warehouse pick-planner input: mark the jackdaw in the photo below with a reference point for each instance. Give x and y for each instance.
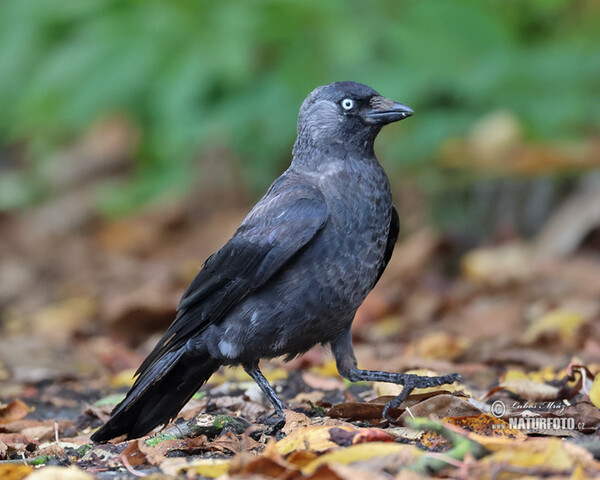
(293, 274)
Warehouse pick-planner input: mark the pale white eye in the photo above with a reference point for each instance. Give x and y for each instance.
(347, 104)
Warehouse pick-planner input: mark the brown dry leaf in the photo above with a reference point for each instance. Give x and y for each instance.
(15, 410)
(229, 442)
(355, 411)
(338, 471)
(270, 463)
(40, 433)
(345, 438)
(486, 429)
(364, 451)
(585, 414)
(441, 406)
(60, 473)
(295, 420)
(15, 442)
(14, 472)
(132, 454)
(316, 439)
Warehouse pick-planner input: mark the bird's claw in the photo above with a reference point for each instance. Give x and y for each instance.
(412, 382)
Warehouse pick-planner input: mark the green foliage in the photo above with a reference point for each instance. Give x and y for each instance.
(198, 75)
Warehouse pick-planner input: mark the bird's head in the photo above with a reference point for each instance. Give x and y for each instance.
(346, 113)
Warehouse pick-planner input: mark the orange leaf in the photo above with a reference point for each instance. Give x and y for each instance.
(15, 410)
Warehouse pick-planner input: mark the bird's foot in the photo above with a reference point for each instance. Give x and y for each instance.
(410, 382)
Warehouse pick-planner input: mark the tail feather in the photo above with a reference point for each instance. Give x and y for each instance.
(158, 395)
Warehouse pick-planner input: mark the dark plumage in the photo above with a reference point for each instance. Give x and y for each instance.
(293, 274)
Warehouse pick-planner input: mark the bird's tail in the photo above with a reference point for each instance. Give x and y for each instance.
(158, 394)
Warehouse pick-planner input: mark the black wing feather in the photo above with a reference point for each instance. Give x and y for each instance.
(391, 242)
(278, 227)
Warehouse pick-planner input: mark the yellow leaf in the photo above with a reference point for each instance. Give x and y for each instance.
(595, 391)
(60, 473)
(328, 369)
(365, 451)
(315, 439)
(550, 453)
(546, 374)
(206, 467)
(239, 375)
(122, 379)
(560, 322)
(14, 472)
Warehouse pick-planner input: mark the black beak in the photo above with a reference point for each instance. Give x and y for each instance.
(386, 111)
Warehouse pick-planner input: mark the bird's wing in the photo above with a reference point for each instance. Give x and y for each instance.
(391, 241)
(279, 226)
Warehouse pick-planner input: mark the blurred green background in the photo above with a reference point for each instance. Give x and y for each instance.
(226, 79)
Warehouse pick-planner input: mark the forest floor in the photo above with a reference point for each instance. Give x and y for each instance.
(84, 303)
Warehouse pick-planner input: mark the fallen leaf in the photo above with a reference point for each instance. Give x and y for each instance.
(486, 429)
(564, 324)
(345, 438)
(550, 453)
(14, 472)
(15, 442)
(530, 390)
(442, 406)
(316, 439)
(206, 467)
(437, 345)
(132, 454)
(355, 411)
(124, 378)
(364, 451)
(15, 410)
(60, 473)
(295, 420)
(337, 471)
(595, 391)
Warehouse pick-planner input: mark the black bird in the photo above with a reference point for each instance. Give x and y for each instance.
(293, 274)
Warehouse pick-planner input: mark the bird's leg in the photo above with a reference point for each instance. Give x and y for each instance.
(347, 366)
(263, 383)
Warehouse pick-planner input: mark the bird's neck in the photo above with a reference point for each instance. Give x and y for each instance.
(311, 151)
(326, 158)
